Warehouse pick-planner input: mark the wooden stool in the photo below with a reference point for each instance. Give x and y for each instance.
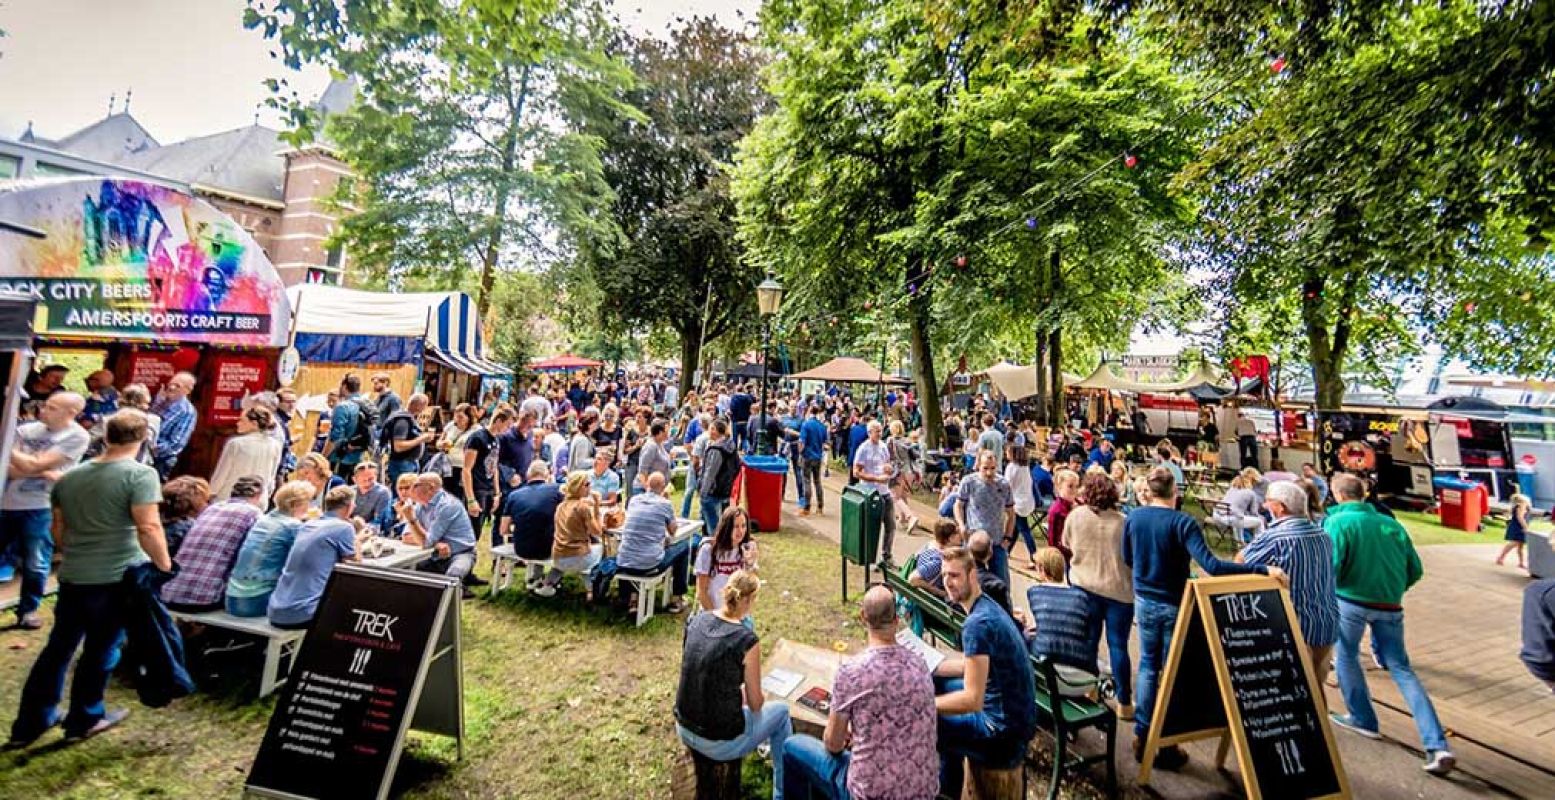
(697, 777)
(987, 783)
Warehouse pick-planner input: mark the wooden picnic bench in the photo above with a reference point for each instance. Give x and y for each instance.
(279, 644)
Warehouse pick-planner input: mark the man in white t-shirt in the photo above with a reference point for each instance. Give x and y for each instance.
(537, 404)
(552, 445)
(44, 451)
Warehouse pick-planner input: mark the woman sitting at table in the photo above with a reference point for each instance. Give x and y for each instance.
(730, 550)
(577, 546)
(314, 468)
(720, 711)
(1242, 505)
(263, 553)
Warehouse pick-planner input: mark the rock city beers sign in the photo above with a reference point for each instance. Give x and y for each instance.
(133, 260)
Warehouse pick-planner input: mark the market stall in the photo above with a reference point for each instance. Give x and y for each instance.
(146, 281)
(427, 339)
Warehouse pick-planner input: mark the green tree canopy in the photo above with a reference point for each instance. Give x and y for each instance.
(911, 144)
(670, 257)
(465, 133)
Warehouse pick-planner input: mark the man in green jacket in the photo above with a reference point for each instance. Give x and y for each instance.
(1374, 564)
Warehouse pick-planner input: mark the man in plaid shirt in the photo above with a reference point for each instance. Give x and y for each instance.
(211, 547)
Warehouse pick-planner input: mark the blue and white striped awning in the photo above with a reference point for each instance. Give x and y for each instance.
(455, 338)
(474, 365)
(447, 322)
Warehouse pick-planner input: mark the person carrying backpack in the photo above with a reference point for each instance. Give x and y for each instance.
(402, 440)
(351, 426)
(720, 466)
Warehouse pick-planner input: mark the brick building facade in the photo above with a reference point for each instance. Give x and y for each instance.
(282, 195)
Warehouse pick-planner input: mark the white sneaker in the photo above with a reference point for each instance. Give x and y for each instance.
(1440, 762)
(544, 590)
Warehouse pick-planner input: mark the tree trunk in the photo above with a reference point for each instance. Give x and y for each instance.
(1326, 350)
(1055, 337)
(690, 352)
(1055, 362)
(923, 369)
(499, 213)
(1040, 365)
(493, 250)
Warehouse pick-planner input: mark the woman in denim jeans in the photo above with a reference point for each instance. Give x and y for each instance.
(719, 708)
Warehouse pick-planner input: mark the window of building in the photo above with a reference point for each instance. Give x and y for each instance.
(10, 166)
(44, 169)
(336, 256)
(323, 276)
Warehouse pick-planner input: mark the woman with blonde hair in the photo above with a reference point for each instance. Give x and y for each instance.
(1119, 475)
(578, 545)
(314, 468)
(1242, 505)
(901, 483)
(1516, 529)
(720, 710)
(263, 553)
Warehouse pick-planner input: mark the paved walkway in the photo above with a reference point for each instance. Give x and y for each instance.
(1463, 635)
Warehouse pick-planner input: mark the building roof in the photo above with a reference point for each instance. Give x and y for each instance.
(242, 161)
(110, 139)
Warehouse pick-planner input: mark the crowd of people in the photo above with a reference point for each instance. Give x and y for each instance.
(555, 469)
(1111, 553)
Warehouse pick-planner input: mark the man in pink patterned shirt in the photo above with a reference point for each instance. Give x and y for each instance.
(884, 698)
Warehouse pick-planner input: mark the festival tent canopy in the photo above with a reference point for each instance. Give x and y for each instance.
(1018, 381)
(125, 259)
(565, 362)
(845, 369)
(339, 325)
(1105, 378)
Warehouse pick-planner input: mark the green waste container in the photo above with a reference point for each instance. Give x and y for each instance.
(863, 510)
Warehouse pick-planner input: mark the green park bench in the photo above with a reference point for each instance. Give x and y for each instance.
(1067, 717)
(928, 614)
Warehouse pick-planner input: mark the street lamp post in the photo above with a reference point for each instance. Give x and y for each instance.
(769, 297)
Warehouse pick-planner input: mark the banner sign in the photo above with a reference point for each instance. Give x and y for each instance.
(381, 658)
(132, 260)
(1240, 671)
(234, 377)
(152, 369)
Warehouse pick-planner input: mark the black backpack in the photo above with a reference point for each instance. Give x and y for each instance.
(728, 470)
(386, 433)
(366, 423)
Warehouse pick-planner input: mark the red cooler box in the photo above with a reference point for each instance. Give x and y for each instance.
(762, 477)
(1462, 503)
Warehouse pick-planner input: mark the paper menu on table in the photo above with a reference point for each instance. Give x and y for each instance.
(912, 641)
(781, 682)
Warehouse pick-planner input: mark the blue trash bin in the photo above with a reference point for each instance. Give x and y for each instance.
(1527, 479)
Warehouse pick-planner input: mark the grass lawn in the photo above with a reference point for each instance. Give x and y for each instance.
(559, 698)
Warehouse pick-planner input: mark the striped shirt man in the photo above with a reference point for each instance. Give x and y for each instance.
(1306, 553)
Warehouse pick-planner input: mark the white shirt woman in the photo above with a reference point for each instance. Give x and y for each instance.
(1019, 478)
(252, 452)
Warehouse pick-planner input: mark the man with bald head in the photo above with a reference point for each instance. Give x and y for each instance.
(178, 421)
(44, 450)
(650, 522)
(883, 700)
(101, 400)
(441, 523)
(403, 439)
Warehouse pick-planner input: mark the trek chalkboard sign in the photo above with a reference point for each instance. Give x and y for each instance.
(1239, 670)
(382, 658)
